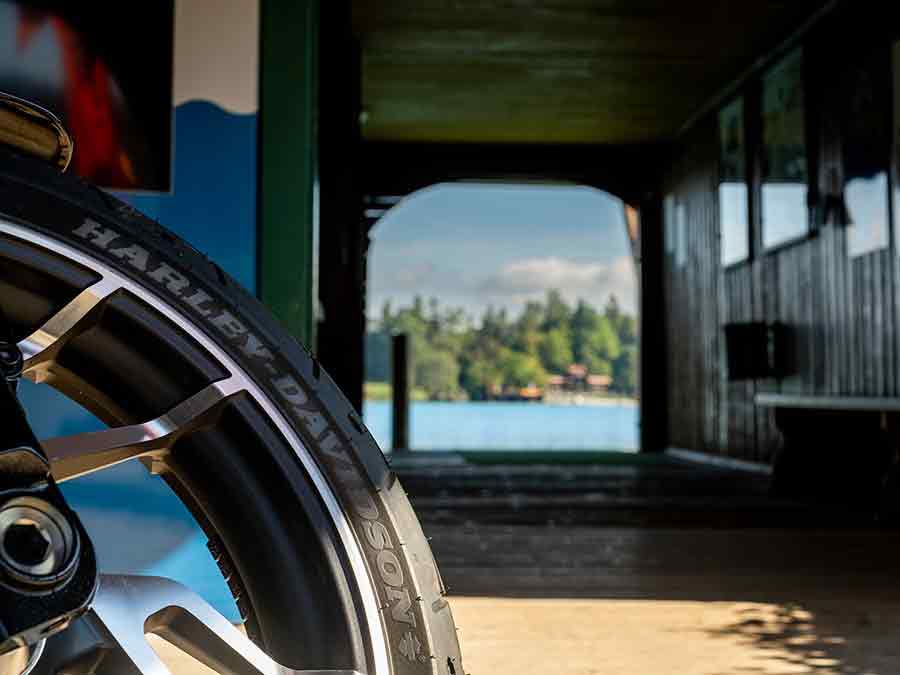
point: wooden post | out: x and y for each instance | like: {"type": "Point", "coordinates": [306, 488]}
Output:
{"type": "Point", "coordinates": [287, 162]}
{"type": "Point", "coordinates": [400, 393]}
{"type": "Point", "coordinates": [653, 369]}
{"type": "Point", "coordinates": [342, 236]}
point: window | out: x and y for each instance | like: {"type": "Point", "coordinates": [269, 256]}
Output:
{"type": "Point", "coordinates": [733, 214]}
{"type": "Point", "coordinates": [669, 223]}
{"type": "Point", "coordinates": [512, 296]}
{"type": "Point", "coordinates": [866, 139]}
{"type": "Point", "coordinates": [784, 169]}
{"type": "Point", "coordinates": [681, 234]}
{"type": "Point", "coordinates": [896, 136]}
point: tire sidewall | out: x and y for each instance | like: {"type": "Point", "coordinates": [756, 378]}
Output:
{"type": "Point", "coordinates": [416, 619]}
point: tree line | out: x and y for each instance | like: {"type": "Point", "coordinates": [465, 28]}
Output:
{"type": "Point", "coordinates": [452, 358]}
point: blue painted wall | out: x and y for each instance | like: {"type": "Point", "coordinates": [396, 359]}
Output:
{"type": "Point", "coordinates": [213, 204]}
{"type": "Point", "coordinates": [137, 524]}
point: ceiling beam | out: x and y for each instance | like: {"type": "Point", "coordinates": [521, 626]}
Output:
{"type": "Point", "coordinates": [626, 171]}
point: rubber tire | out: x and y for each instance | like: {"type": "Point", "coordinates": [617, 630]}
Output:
{"type": "Point", "coordinates": [422, 639]}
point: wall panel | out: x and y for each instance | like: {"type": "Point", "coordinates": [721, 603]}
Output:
{"type": "Point", "coordinates": [840, 305]}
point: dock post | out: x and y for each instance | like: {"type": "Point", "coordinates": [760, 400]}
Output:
{"type": "Point", "coordinates": [400, 393]}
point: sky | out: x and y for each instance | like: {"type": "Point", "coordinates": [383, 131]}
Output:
{"type": "Point", "coordinates": [474, 245]}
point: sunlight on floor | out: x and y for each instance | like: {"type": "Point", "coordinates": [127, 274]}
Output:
{"type": "Point", "coordinates": [646, 637]}
{"type": "Point", "coordinates": [501, 636]}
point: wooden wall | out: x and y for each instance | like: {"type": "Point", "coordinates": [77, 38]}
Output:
{"type": "Point", "coordinates": [843, 312]}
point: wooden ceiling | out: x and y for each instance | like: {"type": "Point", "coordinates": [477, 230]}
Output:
{"type": "Point", "coordinates": [555, 71]}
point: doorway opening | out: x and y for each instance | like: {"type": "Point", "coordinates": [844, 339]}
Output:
{"type": "Point", "coordinates": [520, 303]}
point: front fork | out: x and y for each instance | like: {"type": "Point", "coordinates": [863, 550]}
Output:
{"type": "Point", "coordinates": [48, 571]}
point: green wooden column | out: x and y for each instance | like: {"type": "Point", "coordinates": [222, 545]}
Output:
{"type": "Point", "coordinates": [288, 226]}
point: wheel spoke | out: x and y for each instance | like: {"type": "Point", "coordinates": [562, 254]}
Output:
{"type": "Point", "coordinates": [41, 347]}
{"type": "Point", "coordinates": [80, 454]}
{"type": "Point", "coordinates": [130, 607]}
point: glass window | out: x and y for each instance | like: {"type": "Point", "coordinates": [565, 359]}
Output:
{"type": "Point", "coordinates": [733, 215]}
{"type": "Point", "coordinates": [784, 170]}
{"type": "Point", "coordinates": [896, 137]}
{"type": "Point", "coordinates": [669, 223]}
{"type": "Point", "coordinates": [866, 139]}
{"type": "Point", "coordinates": [681, 242]}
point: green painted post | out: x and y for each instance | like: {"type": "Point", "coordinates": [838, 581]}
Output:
{"type": "Point", "coordinates": [287, 162]}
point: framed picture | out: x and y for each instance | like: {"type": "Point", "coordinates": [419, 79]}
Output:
{"type": "Point", "coordinates": [733, 191]}
{"type": "Point", "coordinates": [785, 215]}
{"type": "Point", "coordinates": [866, 141]}
{"type": "Point", "coordinates": [110, 85]}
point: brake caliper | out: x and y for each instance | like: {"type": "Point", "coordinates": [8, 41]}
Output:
{"type": "Point", "coordinates": [48, 571]}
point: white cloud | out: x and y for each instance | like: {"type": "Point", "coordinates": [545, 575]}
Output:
{"type": "Point", "coordinates": [530, 278]}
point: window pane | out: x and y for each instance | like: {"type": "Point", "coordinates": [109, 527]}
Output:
{"type": "Point", "coordinates": [784, 174]}
{"type": "Point", "coordinates": [733, 218]}
{"type": "Point", "coordinates": [866, 140]}
{"type": "Point", "coordinates": [896, 137]}
{"type": "Point", "coordinates": [669, 223]}
{"type": "Point", "coordinates": [681, 242]}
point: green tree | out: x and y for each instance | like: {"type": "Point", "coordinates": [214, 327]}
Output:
{"type": "Point", "coordinates": [597, 365]}
{"type": "Point", "coordinates": [627, 329]}
{"type": "Point", "coordinates": [556, 351]}
{"type": "Point", "coordinates": [495, 325]}
{"type": "Point", "coordinates": [378, 356]}
{"type": "Point", "coordinates": [557, 312]}
{"type": "Point", "coordinates": [480, 377]}
{"type": "Point", "coordinates": [437, 372]}
{"type": "Point", "coordinates": [612, 310]}
{"type": "Point", "coordinates": [603, 340]}
{"type": "Point", "coordinates": [528, 328]}
{"type": "Point", "coordinates": [451, 356]}
{"type": "Point", "coordinates": [584, 322]}
{"type": "Point", "coordinates": [625, 371]}
{"type": "Point", "coordinates": [522, 370]}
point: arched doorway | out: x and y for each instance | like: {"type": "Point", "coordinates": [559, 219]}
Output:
{"type": "Point", "coordinates": [521, 303]}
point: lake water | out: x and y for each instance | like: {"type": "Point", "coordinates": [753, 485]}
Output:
{"type": "Point", "coordinates": [500, 425]}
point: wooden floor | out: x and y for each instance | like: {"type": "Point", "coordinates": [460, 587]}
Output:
{"type": "Point", "coordinates": [614, 601]}
{"type": "Point", "coordinates": [757, 565]}
{"type": "Point", "coordinates": [612, 489]}
{"type": "Point", "coordinates": [826, 633]}
{"type": "Point", "coordinates": [654, 569]}
{"type": "Point", "coordinates": [657, 568]}
{"type": "Point", "coordinates": [638, 601]}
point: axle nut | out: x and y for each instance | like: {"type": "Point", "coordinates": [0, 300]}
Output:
{"type": "Point", "coordinates": [27, 543]}
{"type": "Point", "coordinates": [11, 362]}
{"type": "Point", "coordinates": [37, 543]}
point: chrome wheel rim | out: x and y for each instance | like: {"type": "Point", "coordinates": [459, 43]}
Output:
{"type": "Point", "coordinates": [150, 440]}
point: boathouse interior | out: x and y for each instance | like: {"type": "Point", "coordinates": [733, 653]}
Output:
{"type": "Point", "coordinates": [757, 143]}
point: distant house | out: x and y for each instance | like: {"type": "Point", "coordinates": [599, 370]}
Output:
{"type": "Point", "coordinates": [556, 383]}
{"type": "Point", "coordinates": [513, 393]}
{"type": "Point", "coordinates": [578, 380]}
{"type": "Point", "coordinates": [531, 393]}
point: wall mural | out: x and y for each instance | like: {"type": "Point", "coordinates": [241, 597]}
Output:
{"type": "Point", "coordinates": [114, 97]}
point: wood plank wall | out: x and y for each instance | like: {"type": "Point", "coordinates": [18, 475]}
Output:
{"type": "Point", "coordinates": [843, 312]}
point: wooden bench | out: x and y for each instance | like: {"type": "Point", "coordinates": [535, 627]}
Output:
{"type": "Point", "coordinates": [837, 447]}
{"type": "Point", "coordinates": [835, 403]}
